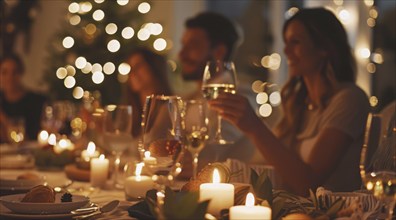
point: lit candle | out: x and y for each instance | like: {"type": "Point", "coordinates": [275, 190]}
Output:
{"type": "Point", "coordinates": [250, 211]}
{"type": "Point", "coordinates": [52, 139]}
{"type": "Point", "coordinates": [62, 145]}
{"type": "Point", "coordinates": [221, 195]}
{"type": "Point", "coordinates": [148, 159]}
{"type": "Point", "coordinates": [90, 152]}
{"type": "Point", "coordinates": [99, 171]}
{"type": "Point", "coordinates": [137, 186]}
{"type": "Point", "coordinates": [42, 138]}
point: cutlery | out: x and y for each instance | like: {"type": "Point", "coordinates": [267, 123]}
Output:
{"type": "Point", "coordinates": [106, 208]}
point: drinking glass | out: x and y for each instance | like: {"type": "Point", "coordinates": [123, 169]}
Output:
{"type": "Point", "coordinates": [219, 77]}
{"type": "Point", "coordinates": [117, 135]}
{"type": "Point", "coordinates": [378, 160]}
{"type": "Point", "coordinates": [162, 137]}
{"type": "Point", "coordinates": [16, 130]}
{"type": "Point", "coordinates": [195, 129]}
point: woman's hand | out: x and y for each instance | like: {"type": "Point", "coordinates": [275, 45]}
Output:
{"type": "Point", "coordinates": [237, 110]}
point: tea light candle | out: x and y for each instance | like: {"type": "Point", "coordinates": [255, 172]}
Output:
{"type": "Point", "coordinates": [42, 138]}
{"type": "Point", "coordinates": [221, 195]}
{"type": "Point", "coordinates": [250, 211]}
{"type": "Point", "coordinates": [148, 159]}
{"type": "Point", "coordinates": [90, 152]}
{"type": "Point", "coordinates": [62, 145]}
{"type": "Point", "coordinates": [99, 171]}
{"type": "Point", "coordinates": [137, 186]}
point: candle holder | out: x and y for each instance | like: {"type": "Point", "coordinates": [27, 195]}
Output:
{"type": "Point", "coordinates": [137, 181]}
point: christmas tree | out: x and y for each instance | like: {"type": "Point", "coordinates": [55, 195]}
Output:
{"type": "Point", "coordinates": [87, 54]}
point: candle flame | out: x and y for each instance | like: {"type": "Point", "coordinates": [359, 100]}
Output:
{"type": "Point", "coordinates": [139, 168]}
{"type": "Point", "coordinates": [102, 157]}
{"type": "Point", "coordinates": [63, 144]}
{"type": "Point", "coordinates": [43, 135]}
{"type": "Point", "coordinates": [91, 148]}
{"type": "Point", "coordinates": [216, 176]}
{"type": "Point", "coordinates": [52, 139]}
{"type": "Point", "coordinates": [147, 154]}
{"type": "Point", "coordinates": [249, 200]}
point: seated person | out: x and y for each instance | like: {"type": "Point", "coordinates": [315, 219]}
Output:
{"type": "Point", "coordinates": [16, 101]}
{"type": "Point", "coordinates": [318, 140]}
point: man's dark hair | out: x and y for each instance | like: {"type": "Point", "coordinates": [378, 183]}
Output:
{"type": "Point", "coordinates": [218, 28]}
{"type": "Point", "coordinates": [17, 59]}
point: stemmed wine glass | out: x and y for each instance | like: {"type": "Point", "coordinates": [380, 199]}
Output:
{"type": "Point", "coordinates": [195, 129]}
{"type": "Point", "coordinates": [117, 135]}
{"type": "Point", "coordinates": [378, 160]}
{"type": "Point", "coordinates": [162, 137]}
{"type": "Point", "coordinates": [219, 77]}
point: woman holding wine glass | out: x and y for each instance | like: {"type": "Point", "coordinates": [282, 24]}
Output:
{"type": "Point", "coordinates": [318, 140]}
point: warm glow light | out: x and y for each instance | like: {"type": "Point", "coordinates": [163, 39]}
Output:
{"type": "Point", "coordinates": [124, 68]}
{"type": "Point", "coordinates": [69, 82]}
{"type": "Point", "coordinates": [147, 154]}
{"type": "Point", "coordinates": [85, 7]}
{"type": "Point", "coordinates": [371, 68]}
{"type": "Point", "coordinates": [122, 2]}
{"type": "Point", "coordinates": [373, 13]}
{"type": "Point", "coordinates": [143, 34]}
{"type": "Point", "coordinates": [291, 12]}
{"type": "Point", "coordinates": [216, 176]}
{"type": "Point", "coordinates": [344, 16]}
{"type": "Point", "coordinates": [275, 60]}
{"type": "Point", "coordinates": [68, 42]}
{"type": "Point", "coordinates": [265, 110]}
{"type": "Point", "coordinates": [96, 68]}
{"type": "Point", "coordinates": [109, 68]}
{"type": "Point", "coordinates": [71, 71]}
{"type": "Point", "coordinates": [275, 98]}
{"type": "Point", "coordinates": [81, 62]}
{"type": "Point", "coordinates": [97, 77]}
{"type": "Point", "coordinates": [262, 98]}
{"type": "Point", "coordinates": [113, 45]}
{"type": "Point", "coordinates": [122, 78]}
{"type": "Point", "coordinates": [111, 28]}
{"type": "Point", "coordinates": [43, 135]}
{"type": "Point", "coordinates": [249, 199]}
{"type": "Point", "coordinates": [144, 7]}
{"type": "Point", "coordinates": [78, 92]}
{"type": "Point", "coordinates": [377, 58]}
{"type": "Point", "coordinates": [371, 22]}
{"type": "Point", "coordinates": [154, 28]}
{"type": "Point", "coordinates": [61, 73]}
{"type": "Point", "coordinates": [364, 53]}
{"type": "Point", "coordinates": [102, 157]}
{"type": "Point", "coordinates": [338, 2]}
{"type": "Point", "coordinates": [87, 68]}
{"type": "Point", "coordinates": [98, 15]}
{"type": "Point", "coordinates": [74, 20]}
{"type": "Point", "coordinates": [159, 44]}
{"type": "Point", "coordinates": [138, 170]}
{"type": "Point", "coordinates": [90, 29]}
{"type": "Point", "coordinates": [91, 148]}
{"type": "Point", "coordinates": [373, 101]}
{"type": "Point", "coordinates": [52, 139]}
{"type": "Point", "coordinates": [257, 86]}
{"type": "Point", "coordinates": [127, 33]}
{"type": "Point", "coordinates": [369, 186]}
{"type": "Point", "coordinates": [369, 3]}
{"type": "Point", "coordinates": [99, 1]}
{"type": "Point", "coordinates": [74, 7]}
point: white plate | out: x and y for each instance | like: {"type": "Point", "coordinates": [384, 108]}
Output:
{"type": "Point", "coordinates": [16, 161]}
{"type": "Point", "coordinates": [12, 202]}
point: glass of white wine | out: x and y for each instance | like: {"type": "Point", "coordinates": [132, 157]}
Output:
{"type": "Point", "coordinates": [117, 135]}
{"type": "Point", "coordinates": [219, 77]}
{"type": "Point", "coordinates": [195, 126]}
{"type": "Point", "coordinates": [378, 160]}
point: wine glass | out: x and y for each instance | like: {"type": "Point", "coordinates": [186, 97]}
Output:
{"type": "Point", "coordinates": [378, 160]}
{"type": "Point", "coordinates": [117, 135]}
{"type": "Point", "coordinates": [16, 130]}
{"type": "Point", "coordinates": [162, 138]}
{"type": "Point", "coordinates": [219, 77]}
{"type": "Point", "coordinates": [195, 129]}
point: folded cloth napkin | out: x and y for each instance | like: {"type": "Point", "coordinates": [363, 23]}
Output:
{"type": "Point", "coordinates": [141, 211]}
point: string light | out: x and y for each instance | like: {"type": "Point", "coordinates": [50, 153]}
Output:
{"type": "Point", "coordinates": [61, 73]}
{"type": "Point", "coordinates": [257, 86]}
{"type": "Point", "coordinates": [74, 20]}
{"type": "Point", "coordinates": [87, 68]}
{"type": "Point", "coordinates": [124, 68]}
{"type": "Point", "coordinates": [275, 98]}
{"type": "Point", "coordinates": [78, 92]}
{"type": "Point", "coordinates": [96, 67]}
{"type": "Point", "coordinates": [113, 45]}
{"type": "Point", "coordinates": [265, 110]}
{"type": "Point", "coordinates": [71, 71]}
{"type": "Point", "coordinates": [97, 77]}
{"type": "Point", "coordinates": [85, 7]}
{"type": "Point", "coordinates": [262, 98]}
{"type": "Point", "coordinates": [99, 1]}
{"type": "Point", "coordinates": [68, 42]}
{"type": "Point", "coordinates": [74, 7]}
{"type": "Point", "coordinates": [111, 28]}
{"type": "Point", "coordinates": [122, 2]}
{"type": "Point", "coordinates": [143, 34]}
{"type": "Point", "coordinates": [81, 62]}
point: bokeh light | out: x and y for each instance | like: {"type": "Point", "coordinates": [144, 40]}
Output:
{"type": "Point", "coordinates": [85, 7]}
{"type": "Point", "coordinates": [159, 44]}
{"type": "Point", "coordinates": [113, 45]}
{"type": "Point", "coordinates": [78, 92]}
{"type": "Point", "coordinates": [69, 82]}
{"type": "Point", "coordinates": [127, 33]}
{"type": "Point", "coordinates": [124, 68]}
{"type": "Point", "coordinates": [61, 73]}
{"type": "Point", "coordinates": [290, 12]}
{"type": "Point", "coordinates": [97, 77]}
{"type": "Point", "coordinates": [109, 68]}
{"type": "Point", "coordinates": [262, 98]}
{"type": "Point", "coordinates": [143, 34]}
{"type": "Point", "coordinates": [373, 101]}
{"type": "Point", "coordinates": [87, 68]}
{"type": "Point", "coordinates": [257, 86]}
{"type": "Point", "coordinates": [96, 67]}
{"type": "Point", "coordinates": [122, 2]}
{"type": "Point", "coordinates": [111, 28]}
{"type": "Point", "coordinates": [265, 110]}
{"type": "Point", "coordinates": [371, 68]}
{"type": "Point", "coordinates": [81, 62]}
{"type": "Point", "coordinates": [71, 71]}
{"type": "Point", "coordinates": [364, 53]}
{"type": "Point", "coordinates": [344, 16]}
{"type": "Point", "coordinates": [68, 42]}
{"type": "Point", "coordinates": [122, 78]}
{"type": "Point", "coordinates": [99, 1]}
{"type": "Point", "coordinates": [377, 58]}
{"type": "Point", "coordinates": [90, 29]}
{"type": "Point", "coordinates": [98, 15]}
{"type": "Point", "coordinates": [275, 98]}
{"type": "Point", "coordinates": [369, 3]}
{"type": "Point", "coordinates": [74, 7]}
{"type": "Point", "coordinates": [75, 20]}
{"type": "Point", "coordinates": [144, 7]}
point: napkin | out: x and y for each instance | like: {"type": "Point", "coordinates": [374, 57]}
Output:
{"type": "Point", "coordinates": [141, 211]}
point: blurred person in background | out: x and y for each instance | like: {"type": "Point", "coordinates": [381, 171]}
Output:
{"type": "Point", "coordinates": [16, 102]}
{"type": "Point", "coordinates": [318, 140]}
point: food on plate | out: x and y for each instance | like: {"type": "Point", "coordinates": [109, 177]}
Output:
{"type": "Point", "coordinates": [40, 194]}
{"type": "Point", "coordinates": [28, 176]}
{"type": "Point", "coordinates": [66, 197]}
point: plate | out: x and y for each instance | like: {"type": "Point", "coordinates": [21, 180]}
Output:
{"type": "Point", "coordinates": [12, 215]}
{"type": "Point", "coordinates": [12, 202]}
{"type": "Point", "coordinates": [9, 184]}
{"type": "Point", "coordinates": [16, 161]}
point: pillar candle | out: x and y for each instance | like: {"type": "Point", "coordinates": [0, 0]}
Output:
{"type": "Point", "coordinates": [137, 186]}
{"type": "Point", "coordinates": [250, 211]}
{"type": "Point", "coordinates": [99, 171]}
